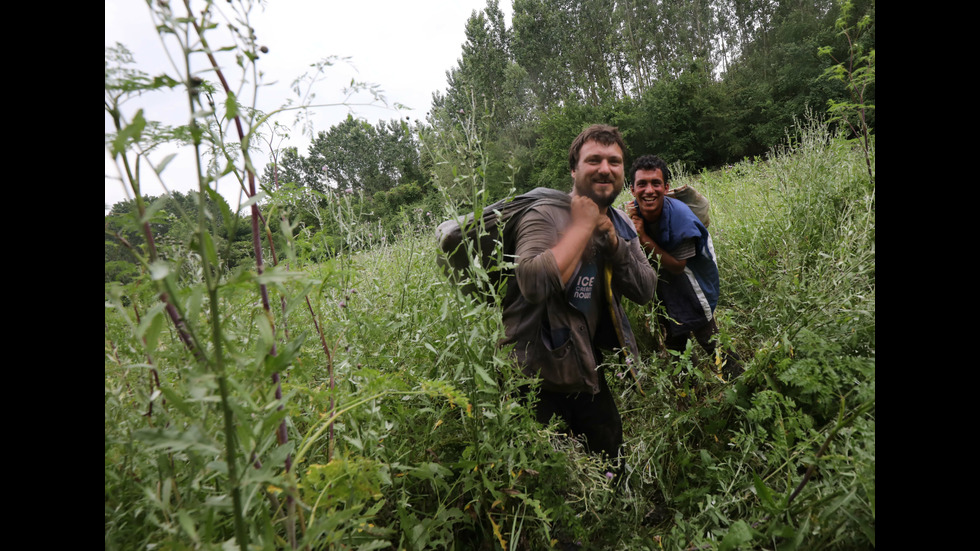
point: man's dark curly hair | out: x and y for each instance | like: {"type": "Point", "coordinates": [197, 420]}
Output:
{"type": "Point", "coordinates": [602, 133]}
{"type": "Point", "coordinates": [649, 162]}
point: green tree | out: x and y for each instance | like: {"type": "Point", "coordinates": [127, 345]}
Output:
{"type": "Point", "coordinates": [856, 70]}
{"type": "Point", "coordinates": [486, 82]}
{"type": "Point", "coordinates": [540, 41]}
{"type": "Point", "coordinates": [355, 156]}
{"type": "Point", "coordinates": [291, 167]}
{"type": "Point", "coordinates": [685, 119]}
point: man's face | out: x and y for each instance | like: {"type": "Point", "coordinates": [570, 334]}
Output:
{"type": "Point", "coordinates": [599, 173]}
{"type": "Point", "coordinates": [649, 189]}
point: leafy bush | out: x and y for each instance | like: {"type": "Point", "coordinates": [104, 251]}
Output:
{"type": "Point", "coordinates": [349, 397]}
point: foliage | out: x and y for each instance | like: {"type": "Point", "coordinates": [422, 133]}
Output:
{"type": "Point", "coordinates": [685, 119]}
{"type": "Point", "coordinates": [433, 449]}
{"type": "Point", "coordinates": [355, 156]}
{"type": "Point", "coordinates": [795, 242]}
{"type": "Point", "coordinates": [857, 72]}
{"type": "Point", "coordinates": [397, 422]}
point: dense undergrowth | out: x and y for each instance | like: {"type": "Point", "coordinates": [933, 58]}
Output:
{"type": "Point", "coordinates": [329, 389]}
{"type": "Point", "coordinates": [430, 446]}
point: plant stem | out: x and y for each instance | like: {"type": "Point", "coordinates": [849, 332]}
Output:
{"type": "Point", "coordinates": [282, 436]}
{"type": "Point", "coordinates": [326, 351]}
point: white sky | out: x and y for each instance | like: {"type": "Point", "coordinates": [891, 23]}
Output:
{"type": "Point", "coordinates": [405, 47]}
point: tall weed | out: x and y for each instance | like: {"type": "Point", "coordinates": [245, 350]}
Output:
{"type": "Point", "coordinates": [795, 241]}
{"type": "Point", "coordinates": [404, 419]}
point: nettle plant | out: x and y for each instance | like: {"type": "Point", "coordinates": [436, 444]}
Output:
{"type": "Point", "coordinates": [198, 446]}
{"type": "Point", "coordinates": [360, 403]}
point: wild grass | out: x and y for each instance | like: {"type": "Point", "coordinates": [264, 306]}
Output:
{"type": "Point", "coordinates": [430, 445]}
{"type": "Point", "coordinates": [342, 394]}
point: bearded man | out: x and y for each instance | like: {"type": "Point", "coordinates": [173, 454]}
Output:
{"type": "Point", "coordinates": [573, 265]}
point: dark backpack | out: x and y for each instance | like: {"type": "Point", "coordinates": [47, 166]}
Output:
{"type": "Point", "coordinates": [698, 203]}
{"type": "Point", "coordinates": [498, 223]}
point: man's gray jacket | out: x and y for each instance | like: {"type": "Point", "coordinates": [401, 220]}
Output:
{"type": "Point", "coordinates": [552, 339]}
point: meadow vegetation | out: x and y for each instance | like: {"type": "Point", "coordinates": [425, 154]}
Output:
{"type": "Point", "coordinates": [428, 445]}
{"type": "Point", "coordinates": [330, 389]}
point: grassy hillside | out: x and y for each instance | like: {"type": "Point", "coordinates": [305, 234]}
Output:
{"type": "Point", "coordinates": [403, 425]}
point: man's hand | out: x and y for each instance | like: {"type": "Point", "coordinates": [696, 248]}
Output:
{"type": "Point", "coordinates": [605, 226]}
{"type": "Point", "coordinates": [672, 265]}
{"type": "Point", "coordinates": [586, 220]}
{"type": "Point", "coordinates": [587, 216]}
{"type": "Point", "coordinates": [585, 213]}
{"type": "Point", "coordinates": [637, 220]}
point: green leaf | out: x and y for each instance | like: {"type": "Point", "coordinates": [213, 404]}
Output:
{"type": "Point", "coordinates": [285, 356]}
{"type": "Point", "coordinates": [177, 440]}
{"type": "Point", "coordinates": [131, 133]}
{"type": "Point", "coordinates": [209, 251]}
{"type": "Point", "coordinates": [484, 375]}
{"type": "Point", "coordinates": [253, 199]}
{"type": "Point", "coordinates": [194, 302]}
{"type": "Point", "coordinates": [226, 213]}
{"type": "Point", "coordinates": [231, 106]}
{"type": "Point", "coordinates": [176, 400]}
{"type": "Point", "coordinates": [188, 525]}
{"type": "Point", "coordinates": [150, 326]}
{"type": "Point", "coordinates": [265, 332]}
{"type": "Point", "coordinates": [374, 544]}
{"type": "Point", "coordinates": [739, 533]}
{"type": "Point", "coordinates": [706, 458]}
{"type": "Point", "coordinates": [166, 161]}
{"type": "Point", "coordinates": [163, 81]}
{"type": "Point", "coordinates": [154, 207]}
{"type": "Point", "coordinates": [765, 495]}
{"type": "Point", "coordinates": [276, 275]}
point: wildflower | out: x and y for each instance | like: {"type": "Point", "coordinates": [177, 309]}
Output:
{"type": "Point", "coordinates": [609, 475]}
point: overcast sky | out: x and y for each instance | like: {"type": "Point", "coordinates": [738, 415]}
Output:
{"type": "Point", "coordinates": [405, 47]}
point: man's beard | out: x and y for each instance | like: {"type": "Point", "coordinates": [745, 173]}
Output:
{"type": "Point", "coordinates": [602, 201]}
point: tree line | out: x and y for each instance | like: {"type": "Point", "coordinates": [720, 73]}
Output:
{"type": "Point", "coordinates": [701, 83]}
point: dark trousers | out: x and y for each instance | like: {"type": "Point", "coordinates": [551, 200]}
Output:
{"type": "Point", "coordinates": [702, 334]}
{"type": "Point", "coordinates": [593, 416]}
{"type": "Point", "coordinates": [733, 364]}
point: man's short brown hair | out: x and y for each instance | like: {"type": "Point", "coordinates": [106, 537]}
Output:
{"type": "Point", "coordinates": [602, 133]}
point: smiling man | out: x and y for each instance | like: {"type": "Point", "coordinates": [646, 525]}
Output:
{"type": "Point", "coordinates": [688, 286]}
{"type": "Point", "coordinates": [573, 265]}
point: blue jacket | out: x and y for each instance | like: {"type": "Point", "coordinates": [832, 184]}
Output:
{"type": "Point", "coordinates": [691, 297]}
